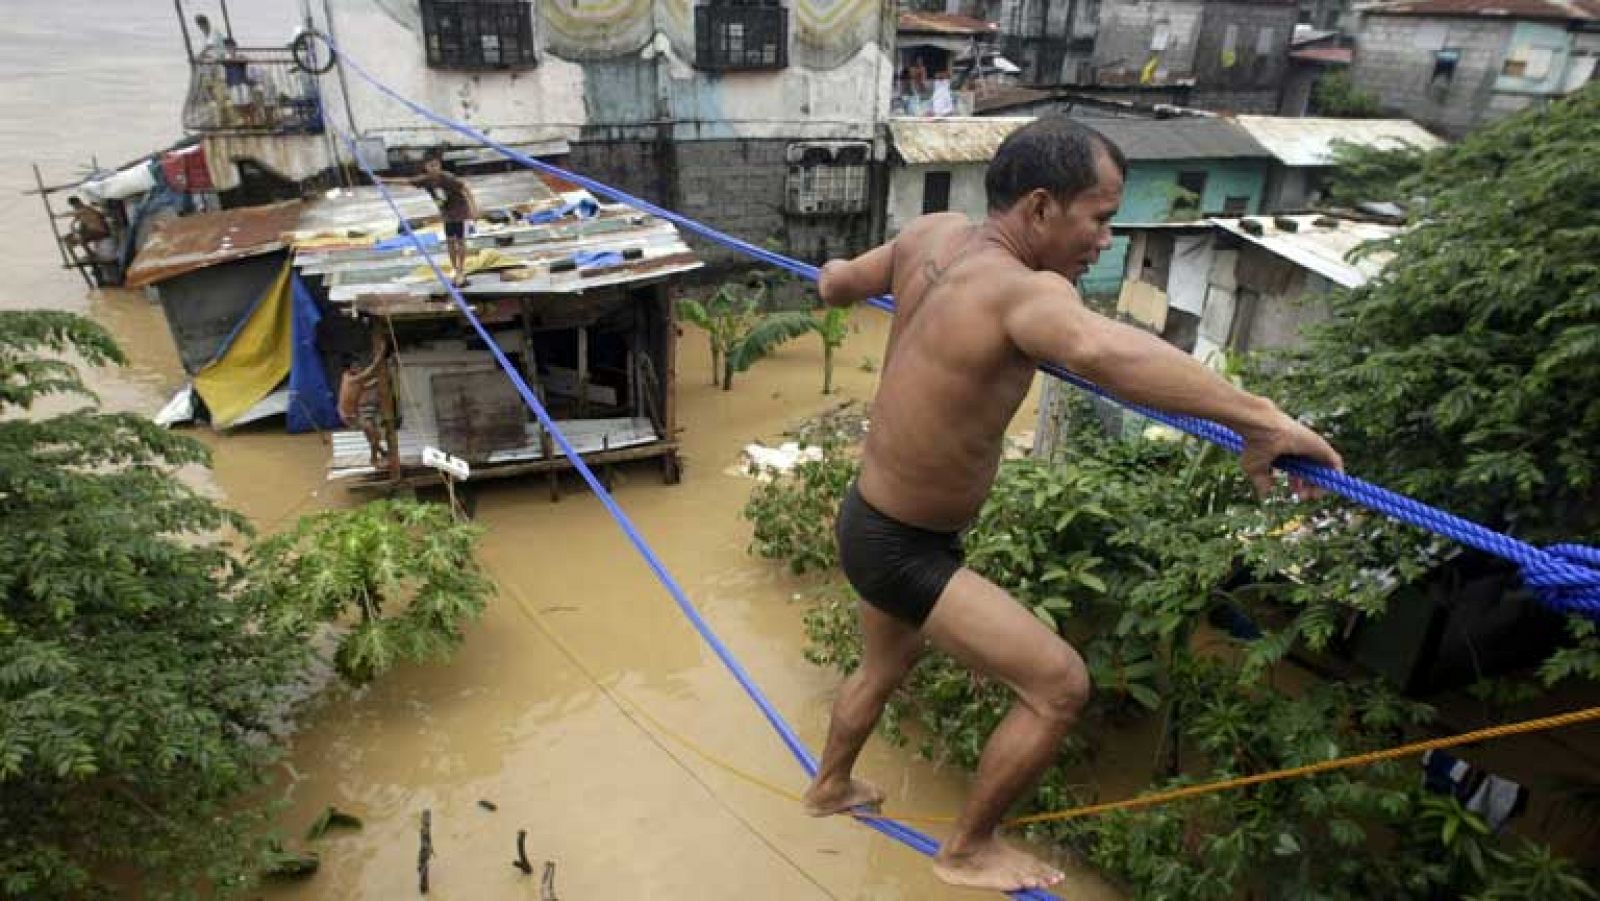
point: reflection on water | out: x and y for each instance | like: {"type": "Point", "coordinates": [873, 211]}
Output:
{"type": "Point", "coordinates": [511, 720]}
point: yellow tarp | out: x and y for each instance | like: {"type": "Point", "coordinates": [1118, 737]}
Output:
{"type": "Point", "coordinates": [486, 260]}
{"type": "Point", "coordinates": [257, 361]}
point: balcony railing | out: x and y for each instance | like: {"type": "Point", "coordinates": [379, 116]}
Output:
{"type": "Point", "coordinates": [254, 90]}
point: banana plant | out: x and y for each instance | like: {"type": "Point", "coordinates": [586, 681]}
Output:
{"type": "Point", "coordinates": [832, 328]}
{"type": "Point", "coordinates": [738, 327]}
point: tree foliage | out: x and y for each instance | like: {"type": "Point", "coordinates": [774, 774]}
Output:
{"type": "Point", "coordinates": [1364, 173]}
{"type": "Point", "coordinates": [404, 572]}
{"type": "Point", "coordinates": [1464, 375]}
{"type": "Point", "coordinates": [132, 675]}
{"type": "Point", "coordinates": [739, 326]}
{"type": "Point", "coordinates": [1336, 95]}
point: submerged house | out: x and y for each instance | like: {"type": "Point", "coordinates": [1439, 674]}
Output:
{"type": "Point", "coordinates": [269, 304]}
{"type": "Point", "coordinates": [573, 291]}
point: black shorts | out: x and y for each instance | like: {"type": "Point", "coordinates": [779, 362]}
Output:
{"type": "Point", "coordinates": [455, 229]}
{"type": "Point", "coordinates": [898, 568]}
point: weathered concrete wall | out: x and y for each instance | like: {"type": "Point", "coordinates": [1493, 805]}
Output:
{"type": "Point", "coordinates": [1241, 56]}
{"type": "Point", "coordinates": [1395, 59]}
{"type": "Point", "coordinates": [1129, 29]}
{"type": "Point", "coordinates": [621, 67]}
{"type": "Point", "coordinates": [906, 188]}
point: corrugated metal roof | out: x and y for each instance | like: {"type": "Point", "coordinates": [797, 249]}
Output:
{"type": "Point", "coordinates": [185, 243]}
{"type": "Point", "coordinates": [1322, 250]}
{"type": "Point", "coordinates": [971, 139]}
{"type": "Point", "coordinates": [1187, 138]}
{"type": "Point", "coordinates": [914, 22]}
{"type": "Point", "coordinates": [922, 141]}
{"type": "Point", "coordinates": [1309, 141]}
{"type": "Point", "coordinates": [1564, 10]}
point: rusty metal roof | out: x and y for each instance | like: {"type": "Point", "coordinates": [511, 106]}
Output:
{"type": "Point", "coordinates": [958, 140]}
{"type": "Point", "coordinates": [1562, 10]}
{"type": "Point", "coordinates": [1335, 56]}
{"type": "Point", "coordinates": [1309, 141]}
{"type": "Point", "coordinates": [914, 22]}
{"type": "Point", "coordinates": [183, 244]}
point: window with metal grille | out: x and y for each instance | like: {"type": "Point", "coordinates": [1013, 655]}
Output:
{"type": "Point", "coordinates": [827, 179]}
{"type": "Point", "coordinates": [478, 34]}
{"type": "Point", "coordinates": [734, 35]}
{"type": "Point", "coordinates": [1191, 189]}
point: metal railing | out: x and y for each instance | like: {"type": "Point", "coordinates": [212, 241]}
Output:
{"type": "Point", "coordinates": [252, 90]}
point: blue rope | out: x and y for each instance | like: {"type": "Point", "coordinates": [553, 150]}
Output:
{"type": "Point", "coordinates": [898, 831]}
{"type": "Point", "coordinates": [1565, 577]}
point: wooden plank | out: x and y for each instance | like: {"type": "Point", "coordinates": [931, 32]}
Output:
{"type": "Point", "coordinates": [477, 413]}
{"type": "Point", "coordinates": [622, 455]}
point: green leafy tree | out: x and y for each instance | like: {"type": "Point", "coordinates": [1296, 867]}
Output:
{"type": "Point", "coordinates": [739, 326]}
{"type": "Point", "coordinates": [135, 680]}
{"type": "Point", "coordinates": [404, 573]}
{"type": "Point", "coordinates": [1336, 95]}
{"type": "Point", "coordinates": [1464, 375]}
{"type": "Point", "coordinates": [1363, 173]}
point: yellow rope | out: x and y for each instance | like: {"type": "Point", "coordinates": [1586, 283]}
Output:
{"type": "Point", "coordinates": [1541, 724]}
{"type": "Point", "coordinates": [1536, 725]}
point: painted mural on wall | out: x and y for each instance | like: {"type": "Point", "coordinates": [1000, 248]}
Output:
{"type": "Point", "coordinates": [596, 29]}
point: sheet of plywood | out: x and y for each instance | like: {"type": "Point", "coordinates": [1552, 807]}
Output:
{"type": "Point", "coordinates": [1144, 303]}
{"type": "Point", "coordinates": [478, 412]}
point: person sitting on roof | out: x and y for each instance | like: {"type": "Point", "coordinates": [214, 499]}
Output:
{"type": "Point", "coordinates": [359, 403]}
{"type": "Point", "coordinates": [457, 207]}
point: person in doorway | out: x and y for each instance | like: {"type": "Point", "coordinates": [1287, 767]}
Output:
{"type": "Point", "coordinates": [457, 207]}
{"type": "Point", "coordinates": [360, 404]}
{"type": "Point", "coordinates": [980, 306]}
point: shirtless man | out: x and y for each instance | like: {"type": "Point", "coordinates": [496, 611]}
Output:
{"type": "Point", "coordinates": [980, 307]}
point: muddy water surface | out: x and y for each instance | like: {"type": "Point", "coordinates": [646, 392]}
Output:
{"type": "Point", "coordinates": [625, 811]}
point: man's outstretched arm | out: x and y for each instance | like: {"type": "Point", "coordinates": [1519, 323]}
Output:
{"type": "Point", "coordinates": [1053, 325]}
{"type": "Point", "coordinates": [846, 282]}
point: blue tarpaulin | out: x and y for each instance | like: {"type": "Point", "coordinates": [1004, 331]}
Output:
{"type": "Point", "coordinates": [311, 401]}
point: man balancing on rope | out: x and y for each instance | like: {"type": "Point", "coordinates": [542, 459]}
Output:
{"type": "Point", "coordinates": [979, 307]}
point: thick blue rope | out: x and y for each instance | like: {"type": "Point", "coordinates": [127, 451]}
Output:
{"type": "Point", "coordinates": [898, 831]}
{"type": "Point", "coordinates": [1565, 577]}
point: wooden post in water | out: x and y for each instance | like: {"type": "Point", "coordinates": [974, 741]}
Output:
{"type": "Point", "coordinates": [583, 371]}
{"type": "Point", "coordinates": [386, 401]}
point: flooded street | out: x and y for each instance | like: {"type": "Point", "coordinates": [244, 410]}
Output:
{"type": "Point", "coordinates": [623, 810]}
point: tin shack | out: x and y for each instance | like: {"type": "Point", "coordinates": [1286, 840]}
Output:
{"type": "Point", "coordinates": [575, 292]}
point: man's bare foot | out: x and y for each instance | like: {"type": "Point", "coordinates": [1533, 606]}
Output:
{"type": "Point", "coordinates": [824, 800]}
{"type": "Point", "coordinates": [994, 865]}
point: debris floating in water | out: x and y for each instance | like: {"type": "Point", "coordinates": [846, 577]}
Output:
{"type": "Point", "coordinates": [487, 805]}
{"type": "Point", "coordinates": [522, 863]}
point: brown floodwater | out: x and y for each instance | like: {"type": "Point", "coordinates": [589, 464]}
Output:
{"type": "Point", "coordinates": [623, 810]}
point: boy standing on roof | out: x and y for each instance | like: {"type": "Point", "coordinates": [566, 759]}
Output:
{"type": "Point", "coordinates": [457, 207]}
{"type": "Point", "coordinates": [980, 306]}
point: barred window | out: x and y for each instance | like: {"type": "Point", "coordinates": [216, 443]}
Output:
{"type": "Point", "coordinates": [478, 34]}
{"type": "Point", "coordinates": [741, 34]}
{"type": "Point", "coordinates": [827, 179]}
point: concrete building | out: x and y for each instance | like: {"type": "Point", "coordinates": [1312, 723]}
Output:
{"type": "Point", "coordinates": [1455, 65]}
{"type": "Point", "coordinates": [1302, 151]}
{"type": "Point", "coordinates": [761, 117]}
{"type": "Point", "coordinates": [1053, 40]}
{"type": "Point", "coordinates": [1234, 52]}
